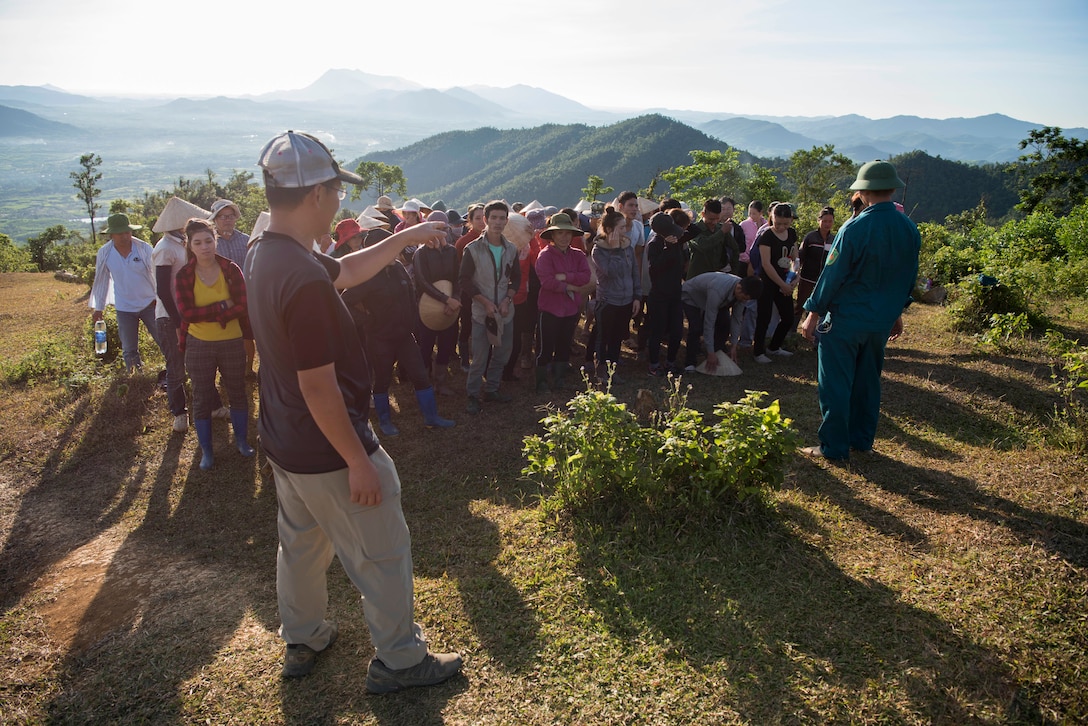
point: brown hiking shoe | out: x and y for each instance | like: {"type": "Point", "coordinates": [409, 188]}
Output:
{"type": "Point", "coordinates": [299, 658]}
{"type": "Point", "coordinates": [433, 669]}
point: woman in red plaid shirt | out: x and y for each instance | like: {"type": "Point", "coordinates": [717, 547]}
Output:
{"type": "Point", "coordinates": [211, 296]}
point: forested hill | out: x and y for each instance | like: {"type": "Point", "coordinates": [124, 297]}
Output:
{"type": "Point", "coordinates": [938, 187]}
{"type": "Point", "coordinates": [550, 163]}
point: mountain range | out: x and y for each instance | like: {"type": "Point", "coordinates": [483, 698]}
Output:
{"type": "Point", "coordinates": [147, 143]}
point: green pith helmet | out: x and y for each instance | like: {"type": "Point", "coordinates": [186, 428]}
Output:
{"type": "Point", "coordinates": [877, 176]}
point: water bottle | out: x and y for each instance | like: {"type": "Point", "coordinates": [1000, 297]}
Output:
{"type": "Point", "coordinates": [100, 337]}
{"type": "Point", "coordinates": [790, 277]}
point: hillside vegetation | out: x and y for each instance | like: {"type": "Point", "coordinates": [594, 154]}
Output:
{"type": "Point", "coordinates": [552, 162]}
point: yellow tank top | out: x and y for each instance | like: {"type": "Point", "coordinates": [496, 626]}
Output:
{"type": "Point", "coordinates": [210, 295]}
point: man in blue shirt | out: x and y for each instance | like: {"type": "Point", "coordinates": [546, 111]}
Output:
{"type": "Point", "coordinates": [864, 287]}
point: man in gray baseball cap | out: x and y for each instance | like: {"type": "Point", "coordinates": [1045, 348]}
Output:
{"type": "Point", "coordinates": [337, 488]}
{"type": "Point", "coordinates": [858, 303]}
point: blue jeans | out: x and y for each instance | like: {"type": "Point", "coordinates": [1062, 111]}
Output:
{"type": "Point", "coordinates": [128, 329]}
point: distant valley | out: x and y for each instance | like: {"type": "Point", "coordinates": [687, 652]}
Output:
{"type": "Point", "coordinates": [147, 144]}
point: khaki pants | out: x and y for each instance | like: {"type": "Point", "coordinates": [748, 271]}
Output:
{"type": "Point", "coordinates": [317, 519]}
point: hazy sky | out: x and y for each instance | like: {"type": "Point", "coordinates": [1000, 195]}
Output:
{"type": "Point", "coordinates": [933, 58]}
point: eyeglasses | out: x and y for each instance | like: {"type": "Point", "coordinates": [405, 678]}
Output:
{"type": "Point", "coordinates": [341, 193]}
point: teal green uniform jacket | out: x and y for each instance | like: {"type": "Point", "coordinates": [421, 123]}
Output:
{"type": "Point", "coordinates": [867, 281]}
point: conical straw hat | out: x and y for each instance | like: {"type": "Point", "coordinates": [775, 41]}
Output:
{"type": "Point", "coordinates": [176, 214]}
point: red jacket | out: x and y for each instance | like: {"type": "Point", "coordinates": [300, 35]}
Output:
{"type": "Point", "coordinates": [219, 312]}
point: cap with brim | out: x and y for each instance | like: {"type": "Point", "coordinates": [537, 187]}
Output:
{"type": "Point", "coordinates": [560, 221]}
{"type": "Point", "coordinates": [877, 176]}
{"type": "Point", "coordinates": [663, 225]}
{"type": "Point", "coordinates": [118, 224]}
{"type": "Point", "coordinates": [345, 230]}
{"type": "Point", "coordinates": [432, 313]}
{"type": "Point", "coordinates": [221, 204]}
{"type": "Point", "coordinates": [410, 206]}
{"type": "Point", "coordinates": [494, 330]}
{"type": "Point", "coordinates": [176, 214]}
{"type": "Point", "coordinates": [296, 159]}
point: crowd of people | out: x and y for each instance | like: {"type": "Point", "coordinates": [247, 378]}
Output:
{"type": "Point", "coordinates": [414, 290]}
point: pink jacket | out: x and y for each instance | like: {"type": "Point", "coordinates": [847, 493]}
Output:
{"type": "Point", "coordinates": [553, 293]}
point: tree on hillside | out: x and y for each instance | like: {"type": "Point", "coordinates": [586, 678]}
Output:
{"type": "Point", "coordinates": [1055, 172]}
{"type": "Point", "coordinates": [52, 249]}
{"type": "Point", "coordinates": [817, 173]}
{"type": "Point", "coordinates": [760, 184]}
{"type": "Point", "coordinates": [382, 178]}
{"type": "Point", "coordinates": [594, 188]}
{"type": "Point", "coordinates": [86, 183]}
{"type": "Point", "coordinates": [711, 174]}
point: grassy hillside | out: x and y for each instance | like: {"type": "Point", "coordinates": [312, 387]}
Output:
{"type": "Point", "coordinates": [942, 579]}
{"type": "Point", "coordinates": [550, 163]}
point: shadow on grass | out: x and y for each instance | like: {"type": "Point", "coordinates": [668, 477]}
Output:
{"type": "Point", "coordinates": [175, 592]}
{"type": "Point", "coordinates": [772, 621]}
{"type": "Point", "coordinates": [82, 491]}
{"type": "Point", "coordinates": [946, 493]}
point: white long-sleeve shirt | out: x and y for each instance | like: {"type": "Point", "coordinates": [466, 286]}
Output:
{"type": "Point", "coordinates": [127, 282]}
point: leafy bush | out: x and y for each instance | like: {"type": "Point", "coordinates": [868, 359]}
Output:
{"type": "Point", "coordinates": [14, 258]}
{"type": "Point", "coordinates": [1032, 238]}
{"type": "Point", "coordinates": [1069, 371]}
{"type": "Point", "coordinates": [51, 360]}
{"type": "Point", "coordinates": [974, 304]}
{"type": "Point", "coordinates": [1072, 233]}
{"type": "Point", "coordinates": [597, 454]}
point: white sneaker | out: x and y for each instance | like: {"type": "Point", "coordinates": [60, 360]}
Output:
{"type": "Point", "coordinates": [762, 359]}
{"type": "Point", "coordinates": [181, 422]}
{"type": "Point", "coordinates": [781, 351]}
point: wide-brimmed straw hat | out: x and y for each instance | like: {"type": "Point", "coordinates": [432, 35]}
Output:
{"type": "Point", "coordinates": [560, 221]}
{"type": "Point", "coordinates": [432, 313]}
{"type": "Point", "coordinates": [384, 203]}
{"type": "Point", "coordinates": [176, 214]}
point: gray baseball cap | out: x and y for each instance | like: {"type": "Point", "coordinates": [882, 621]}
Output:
{"type": "Point", "coordinates": [296, 159]}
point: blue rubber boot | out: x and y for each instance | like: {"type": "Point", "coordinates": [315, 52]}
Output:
{"type": "Point", "coordinates": [239, 419]}
{"type": "Point", "coordinates": [385, 415]}
{"type": "Point", "coordinates": [429, 406]}
{"type": "Point", "coordinates": [203, 428]}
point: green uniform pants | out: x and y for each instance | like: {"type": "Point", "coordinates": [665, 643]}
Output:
{"type": "Point", "coordinates": [850, 363]}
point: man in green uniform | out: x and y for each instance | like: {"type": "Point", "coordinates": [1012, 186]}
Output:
{"type": "Point", "coordinates": [859, 299]}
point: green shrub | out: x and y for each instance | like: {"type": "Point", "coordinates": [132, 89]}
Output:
{"type": "Point", "coordinates": [1069, 373]}
{"type": "Point", "coordinates": [51, 360]}
{"type": "Point", "coordinates": [596, 454]}
{"type": "Point", "coordinates": [1073, 233]}
{"type": "Point", "coordinates": [973, 305]}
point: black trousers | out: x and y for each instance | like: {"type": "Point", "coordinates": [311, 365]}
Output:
{"type": "Point", "coordinates": [403, 350]}
{"type": "Point", "coordinates": [665, 320]}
